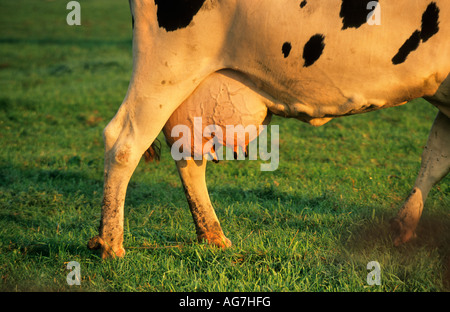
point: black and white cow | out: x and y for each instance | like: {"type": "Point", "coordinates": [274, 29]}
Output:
{"type": "Point", "coordinates": [312, 60]}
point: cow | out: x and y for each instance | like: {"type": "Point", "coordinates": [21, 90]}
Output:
{"type": "Point", "coordinates": [300, 59]}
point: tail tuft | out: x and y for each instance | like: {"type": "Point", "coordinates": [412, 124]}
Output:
{"type": "Point", "coordinates": [153, 153]}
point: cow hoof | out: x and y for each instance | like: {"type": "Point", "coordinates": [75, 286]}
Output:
{"type": "Point", "coordinates": [97, 243]}
{"type": "Point", "coordinates": [216, 240]}
{"type": "Point", "coordinates": [402, 232]}
{"type": "Point", "coordinates": [226, 243]}
{"type": "Point", "coordinates": [405, 223]}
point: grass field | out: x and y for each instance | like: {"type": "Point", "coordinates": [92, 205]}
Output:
{"type": "Point", "coordinates": [312, 225]}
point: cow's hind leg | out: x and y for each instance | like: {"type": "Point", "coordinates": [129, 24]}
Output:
{"type": "Point", "coordinates": [192, 174]}
{"type": "Point", "coordinates": [127, 137]}
{"type": "Point", "coordinates": [435, 166]}
{"type": "Point", "coordinates": [122, 155]}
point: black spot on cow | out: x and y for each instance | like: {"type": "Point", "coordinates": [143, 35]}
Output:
{"type": "Point", "coordinates": [410, 45]}
{"type": "Point", "coordinates": [303, 3]}
{"type": "Point", "coordinates": [430, 27]}
{"type": "Point", "coordinates": [354, 13]}
{"type": "Point", "coordinates": [430, 22]}
{"type": "Point", "coordinates": [286, 49]}
{"type": "Point", "coordinates": [313, 49]}
{"type": "Point", "coordinates": [177, 14]}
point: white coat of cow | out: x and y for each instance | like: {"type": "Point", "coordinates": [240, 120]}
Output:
{"type": "Point", "coordinates": [312, 60]}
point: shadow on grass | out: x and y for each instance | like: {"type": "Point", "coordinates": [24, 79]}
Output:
{"type": "Point", "coordinates": [270, 195]}
{"type": "Point", "coordinates": [433, 235]}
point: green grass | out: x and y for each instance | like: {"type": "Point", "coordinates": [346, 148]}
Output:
{"type": "Point", "coordinates": [312, 225]}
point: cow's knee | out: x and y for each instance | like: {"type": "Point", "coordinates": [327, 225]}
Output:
{"type": "Point", "coordinates": [122, 154]}
{"type": "Point", "coordinates": [120, 144]}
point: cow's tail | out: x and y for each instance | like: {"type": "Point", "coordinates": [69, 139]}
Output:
{"type": "Point", "coordinates": [153, 153]}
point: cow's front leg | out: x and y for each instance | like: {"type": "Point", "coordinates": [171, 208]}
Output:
{"type": "Point", "coordinates": [192, 174]}
{"type": "Point", "coordinates": [435, 166]}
